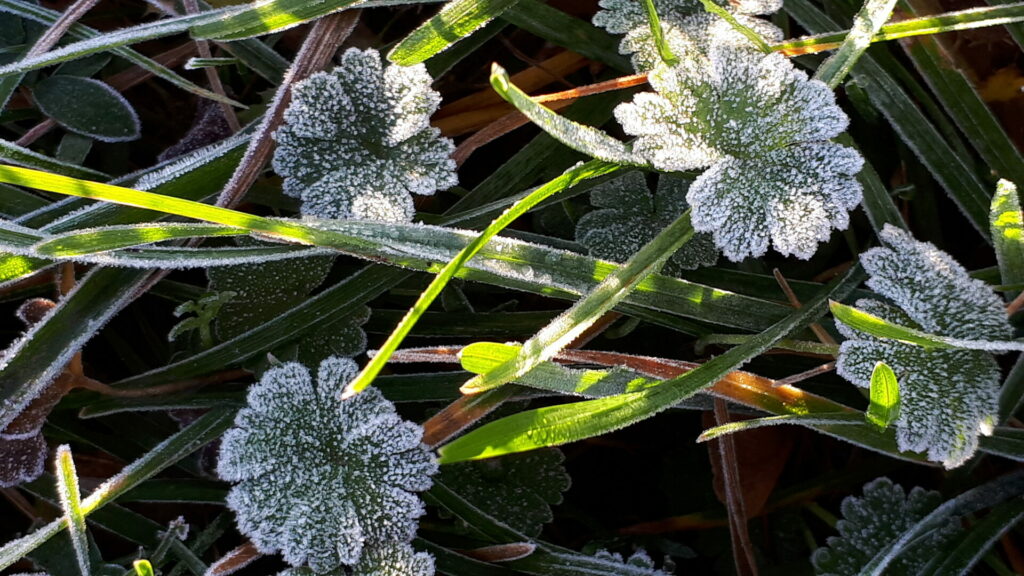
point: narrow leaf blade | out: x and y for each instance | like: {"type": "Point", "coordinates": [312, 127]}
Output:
{"type": "Point", "coordinates": [885, 397]}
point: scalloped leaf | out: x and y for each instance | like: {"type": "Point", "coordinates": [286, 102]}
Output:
{"type": "Point", "coordinates": [630, 216]}
{"type": "Point", "coordinates": [320, 479]}
{"type": "Point", "coordinates": [357, 142]}
{"type": "Point", "coordinates": [874, 521]}
{"type": "Point", "coordinates": [948, 395]}
{"type": "Point", "coordinates": [761, 127]}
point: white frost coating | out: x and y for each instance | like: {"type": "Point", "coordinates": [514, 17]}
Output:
{"type": "Point", "coordinates": [687, 28]}
{"type": "Point", "coordinates": [948, 396]}
{"type": "Point", "coordinates": [630, 216]}
{"type": "Point", "coordinates": [323, 480]}
{"type": "Point", "coordinates": [873, 522]}
{"type": "Point", "coordinates": [391, 559]}
{"type": "Point", "coordinates": [605, 563]}
{"type": "Point", "coordinates": [761, 126]}
{"type": "Point", "coordinates": [357, 142]}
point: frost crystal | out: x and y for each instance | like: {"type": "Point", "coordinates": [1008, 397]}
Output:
{"type": "Point", "coordinates": [357, 141]}
{"type": "Point", "coordinates": [948, 396]}
{"type": "Point", "coordinates": [761, 126]}
{"type": "Point", "coordinates": [873, 522]}
{"type": "Point", "coordinates": [319, 479]}
{"type": "Point", "coordinates": [630, 217]}
{"type": "Point", "coordinates": [688, 29]}
{"type": "Point", "coordinates": [392, 559]}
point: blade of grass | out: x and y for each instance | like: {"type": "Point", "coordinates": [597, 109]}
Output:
{"type": "Point", "coordinates": [71, 503]}
{"type": "Point", "coordinates": [1007, 223]}
{"type": "Point", "coordinates": [574, 321]}
{"type": "Point", "coordinates": [591, 169]}
{"type": "Point", "coordinates": [979, 539]}
{"type": "Point", "coordinates": [455, 21]}
{"type": "Point", "coordinates": [873, 14]}
{"type": "Point", "coordinates": [11, 152]}
{"type": "Point", "coordinates": [562, 29]}
{"type": "Point", "coordinates": [203, 430]}
{"type": "Point", "coordinates": [556, 425]}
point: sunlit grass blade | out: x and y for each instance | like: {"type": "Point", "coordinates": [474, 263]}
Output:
{"type": "Point", "coordinates": [712, 7]}
{"type": "Point", "coordinates": [885, 397]}
{"type": "Point", "coordinates": [455, 21]}
{"type": "Point", "coordinates": [926, 25]}
{"type": "Point", "coordinates": [203, 430]}
{"type": "Point", "coordinates": [586, 139]}
{"type": "Point", "coordinates": [113, 237]}
{"type": "Point", "coordinates": [866, 24]}
{"type": "Point", "coordinates": [659, 36]}
{"type": "Point", "coordinates": [583, 172]}
{"type": "Point", "coordinates": [809, 420]}
{"type": "Point", "coordinates": [143, 568]}
{"type": "Point", "coordinates": [882, 328]}
{"type": "Point", "coordinates": [554, 425]}
{"type": "Point", "coordinates": [1007, 224]}
{"type": "Point", "coordinates": [571, 324]}
{"type": "Point", "coordinates": [266, 16]}
{"type": "Point", "coordinates": [71, 503]}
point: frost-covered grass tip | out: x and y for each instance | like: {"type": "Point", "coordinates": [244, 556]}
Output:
{"type": "Point", "coordinates": [322, 480]}
{"type": "Point", "coordinates": [948, 396]}
{"type": "Point", "coordinates": [629, 217]}
{"type": "Point", "coordinates": [761, 128]}
{"type": "Point", "coordinates": [357, 142]}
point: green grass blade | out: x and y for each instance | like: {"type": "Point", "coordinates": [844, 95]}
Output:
{"type": "Point", "coordinates": [77, 31]}
{"type": "Point", "coordinates": [564, 30]}
{"type": "Point", "coordinates": [455, 21]}
{"type": "Point", "coordinates": [712, 7]}
{"type": "Point", "coordinates": [554, 425]}
{"type": "Point", "coordinates": [143, 568]}
{"type": "Point", "coordinates": [71, 503]}
{"type": "Point", "coordinates": [1009, 13]}
{"type": "Point", "coordinates": [574, 321]}
{"type": "Point", "coordinates": [885, 397]}
{"type": "Point", "coordinates": [202, 431]}
{"type": "Point", "coordinates": [586, 171]}
{"type": "Point", "coordinates": [114, 237]}
{"type": "Point", "coordinates": [873, 14]}
{"type": "Point", "coordinates": [882, 328]}
{"type": "Point", "coordinates": [1007, 225]}
{"type": "Point", "coordinates": [11, 152]}
{"type": "Point", "coordinates": [586, 139]}
{"type": "Point", "coordinates": [809, 420]}
{"type": "Point", "coordinates": [659, 36]}
{"type": "Point", "coordinates": [266, 16]}
{"type": "Point", "coordinates": [949, 168]}
{"type": "Point", "coordinates": [1005, 442]}
{"type": "Point", "coordinates": [979, 539]}
{"type": "Point", "coordinates": [959, 98]}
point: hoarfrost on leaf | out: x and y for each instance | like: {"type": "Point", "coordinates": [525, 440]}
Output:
{"type": "Point", "coordinates": [630, 216]}
{"type": "Point", "coordinates": [874, 521]}
{"type": "Point", "coordinates": [948, 395]}
{"type": "Point", "coordinates": [322, 479]}
{"type": "Point", "coordinates": [357, 142]}
{"type": "Point", "coordinates": [761, 127]}
{"type": "Point", "coordinates": [688, 29]}
{"type": "Point", "coordinates": [391, 559]}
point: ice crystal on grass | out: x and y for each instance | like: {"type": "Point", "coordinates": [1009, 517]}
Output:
{"type": "Point", "coordinates": [688, 29]}
{"type": "Point", "coordinates": [630, 216]}
{"type": "Point", "coordinates": [948, 396]}
{"type": "Point", "coordinates": [357, 142]}
{"type": "Point", "coordinates": [873, 522]}
{"type": "Point", "coordinates": [322, 479]}
{"type": "Point", "coordinates": [761, 127]}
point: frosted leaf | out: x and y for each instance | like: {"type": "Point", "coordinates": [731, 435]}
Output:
{"type": "Point", "coordinates": [761, 127]}
{"type": "Point", "coordinates": [873, 522]}
{"type": "Point", "coordinates": [518, 489]}
{"type": "Point", "coordinates": [262, 292]}
{"type": "Point", "coordinates": [357, 142]}
{"type": "Point", "coordinates": [314, 474]}
{"type": "Point", "coordinates": [630, 216]}
{"type": "Point", "coordinates": [948, 396]}
{"type": "Point", "coordinates": [391, 559]}
{"type": "Point", "coordinates": [688, 29]}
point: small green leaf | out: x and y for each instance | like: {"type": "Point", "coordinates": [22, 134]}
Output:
{"type": "Point", "coordinates": [1007, 225]}
{"type": "Point", "coordinates": [143, 568]}
{"type": "Point", "coordinates": [455, 21]}
{"type": "Point", "coordinates": [88, 107]}
{"type": "Point", "coordinates": [885, 397]}
{"type": "Point", "coordinates": [71, 503]}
